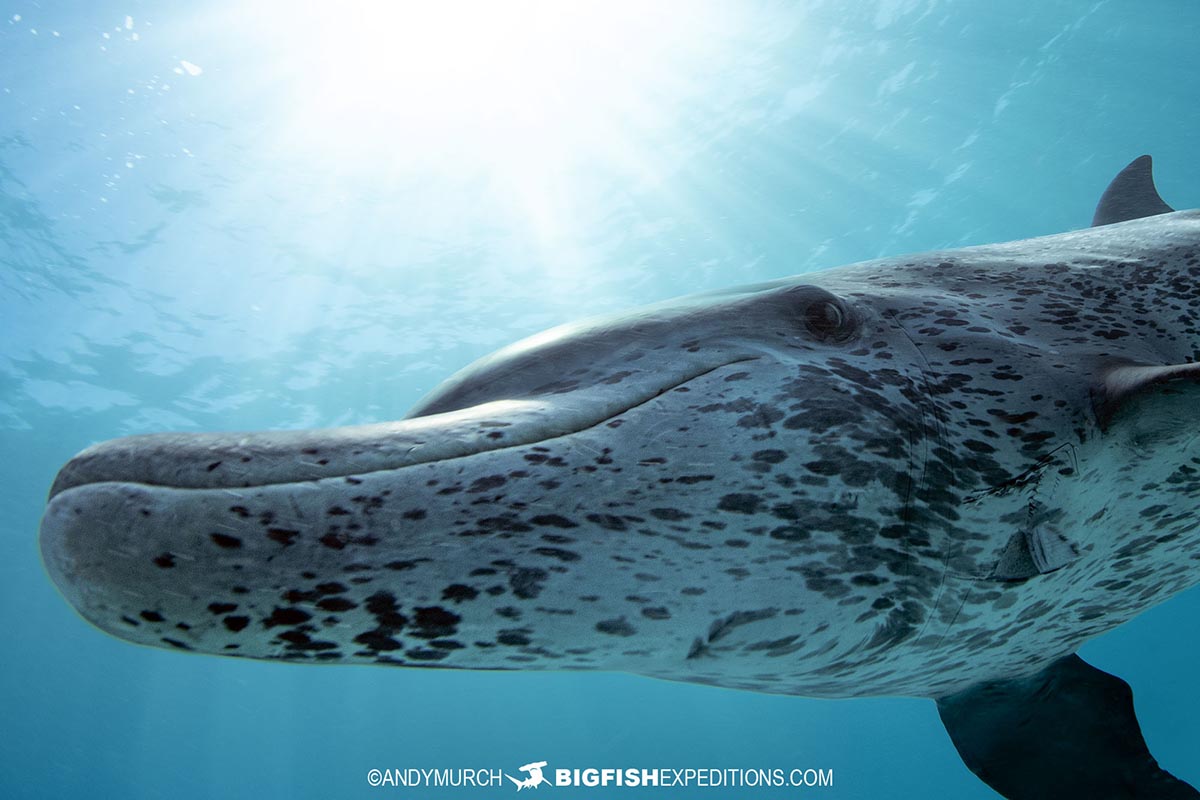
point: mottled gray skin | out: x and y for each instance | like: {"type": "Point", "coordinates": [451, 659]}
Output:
{"type": "Point", "coordinates": [899, 477]}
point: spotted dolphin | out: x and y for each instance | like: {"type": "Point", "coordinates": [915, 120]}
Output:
{"type": "Point", "coordinates": [933, 475]}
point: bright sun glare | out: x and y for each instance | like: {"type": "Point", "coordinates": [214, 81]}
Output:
{"type": "Point", "coordinates": [540, 109]}
{"type": "Point", "coordinates": [512, 83]}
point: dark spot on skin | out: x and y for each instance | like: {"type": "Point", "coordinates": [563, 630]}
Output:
{"type": "Point", "coordinates": [421, 654]}
{"type": "Point", "coordinates": [616, 627]}
{"type": "Point", "coordinates": [526, 583]}
{"type": "Point", "coordinates": [505, 522]}
{"type": "Point", "coordinates": [414, 514]}
{"type": "Point", "coordinates": [383, 607]}
{"type": "Point", "coordinates": [770, 456]}
{"type": "Point", "coordinates": [212, 466]}
{"type": "Point", "coordinates": [241, 511]}
{"type": "Point", "coordinates": [236, 624]}
{"type": "Point", "coordinates": [553, 520]}
{"type": "Point", "coordinates": [226, 541]}
{"type": "Point", "coordinates": [176, 643]}
{"type": "Point", "coordinates": [377, 640]}
{"type": "Point", "coordinates": [370, 503]}
{"type": "Point", "coordinates": [608, 521]}
{"type": "Point", "coordinates": [557, 552]}
{"type": "Point", "coordinates": [742, 503]}
{"type": "Point", "coordinates": [222, 608]}
{"type": "Point", "coordinates": [435, 622]}
{"type": "Point", "coordinates": [458, 592]}
{"type": "Point", "coordinates": [513, 638]}
{"type": "Point", "coordinates": [165, 561]}
{"type": "Point", "coordinates": [336, 604]}
{"type": "Point", "coordinates": [616, 377]}
{"type": "Point", "coordinates": [286, 616]}
{"type": "Point", "coordinates": [282, 535]}
{"type": "Point", "coordinates": [298, 596]}
{"type": "Point", "coordinates": [486, 483]}
{"type": "Point", "coordinates": [151, 616]}
{"type": "Point", "coordinates": [1011, 418]}
{"type": "Point", "coordinates": [657, 612]}
{"type": "Point", "coordinates": [299, 640]}
{"type": "Point", "coordinates": [824, 467]}
{"type": "Point", "coordinates": [762, 416]}
{"type": "Point", "coordinates": [333, 541]}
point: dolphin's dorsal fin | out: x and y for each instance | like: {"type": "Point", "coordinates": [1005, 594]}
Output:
{"type": "Point", "coordinates": [1131, 195]}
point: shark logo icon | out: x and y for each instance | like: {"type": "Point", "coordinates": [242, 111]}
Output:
{"type": "Point", "coordinates": [535, 779]}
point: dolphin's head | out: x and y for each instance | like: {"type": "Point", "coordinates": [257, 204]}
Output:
{"type": "Point", "coordinates": [682, 491]}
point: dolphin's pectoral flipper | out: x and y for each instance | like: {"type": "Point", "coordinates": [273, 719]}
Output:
{"type": "Point", "coordinates": [1066, 732]}
{"type": "Point", "coordinates": [1131, 195]}
{"type": "Point", "coordinates": [1148, 404]}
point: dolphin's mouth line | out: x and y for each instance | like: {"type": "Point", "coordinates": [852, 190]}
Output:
{"type": "Point", "coordinates": [231, 461]}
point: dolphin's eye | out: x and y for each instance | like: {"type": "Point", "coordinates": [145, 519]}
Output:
{"type": "Point", "coordinates": [827, 319]}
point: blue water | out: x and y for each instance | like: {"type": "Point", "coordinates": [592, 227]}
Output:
{"type": "Point", "coordinates": [244, 215]}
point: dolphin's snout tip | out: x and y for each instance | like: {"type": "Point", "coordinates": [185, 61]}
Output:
{"type": "Point", "coordinates": [50, 538]}
{"type": "Point", "coordinates": [87, 540]}
{"type": "Point", "coordinates": [55, 538]}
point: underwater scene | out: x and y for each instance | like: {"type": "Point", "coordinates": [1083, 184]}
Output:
{"type": "Point", "coordinates": [739, 528]}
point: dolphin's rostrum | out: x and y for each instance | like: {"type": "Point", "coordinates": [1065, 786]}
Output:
{"type": "Point", "coordinates": [934, 475]}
